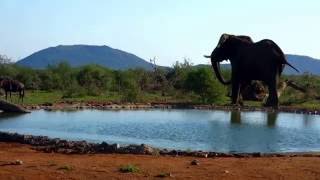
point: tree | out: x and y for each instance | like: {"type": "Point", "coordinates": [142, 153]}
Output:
{"type": "Point", "coordinates": [95, 79]}
{"type": "Point", "coordinates": [28, 76]}
{"type": "Point", "coordinates": [4, 59]}
{"type": "Point", "coordinates": [62, 75]}
{"type": "Point", "coordinates": [202, 82]}
{"type": "Point", "coordinates": [126, 83]}
{"type": "Point", "coordinates": [178, 74]}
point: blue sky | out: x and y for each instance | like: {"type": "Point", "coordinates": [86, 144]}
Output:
{"type": "Point", "coordinates": [168, 29]}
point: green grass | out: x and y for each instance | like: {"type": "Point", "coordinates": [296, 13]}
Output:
{"type": "Point", "coordinates": [129, 169]}
{"type": "Point", "coordinates": [311, 105]}
{"type": "Point", "coordinates": [41, 97]}
{"type": "Point", "coordinates": [49, 97]}
{"type": "Point", "coordinates": [45, 97]}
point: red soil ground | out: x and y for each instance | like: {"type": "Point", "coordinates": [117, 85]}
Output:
{"type": "Point", "coordinates": [38, 165]}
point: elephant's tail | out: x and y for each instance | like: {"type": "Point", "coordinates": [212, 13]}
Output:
{"type": "Point", "coordinates": [291, 66]}
{"type": "Point", "coordinates": [284, 59]}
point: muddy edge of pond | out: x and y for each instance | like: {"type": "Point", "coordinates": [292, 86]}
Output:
{"type": "Point", "coordinates": [56, 145]}
{"type": "Point", "coordinates": [139, 106]}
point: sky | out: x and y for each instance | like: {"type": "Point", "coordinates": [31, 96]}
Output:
{"type": "Point", "coordinates": [169, 30]}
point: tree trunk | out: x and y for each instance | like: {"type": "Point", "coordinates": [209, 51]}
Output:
{"type": "Point", "coordinates": [6, 106]}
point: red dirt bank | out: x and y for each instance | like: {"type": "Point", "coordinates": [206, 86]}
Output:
{"type": "Point", "coordinates": [38, 165]}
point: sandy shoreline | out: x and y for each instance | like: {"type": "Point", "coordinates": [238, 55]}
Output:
{"type": "Point", "coordinates": [39, 165]}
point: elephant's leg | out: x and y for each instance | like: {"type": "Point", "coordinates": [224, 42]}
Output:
{"type": "Point", "coordinates": [273, 95]}
{"type": "Point", "coordinates": [240, 99]}
{"type": "Point", "coordinates": [235, 92]}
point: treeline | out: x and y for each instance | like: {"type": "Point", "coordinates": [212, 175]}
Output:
{"type": "Point", "coordinates": [182, 81]}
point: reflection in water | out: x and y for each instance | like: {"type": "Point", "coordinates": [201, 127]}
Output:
{"type": "Point", "coordinates": [308, 120]}
{"type": "Point", "coordinates": [6, 115]}
{"type": "Point", "coordinates": [272, 119]}
{"type": "Point", "coordinates": [235, 117]}
{"type": "Point", "coordinates": [222, 131]}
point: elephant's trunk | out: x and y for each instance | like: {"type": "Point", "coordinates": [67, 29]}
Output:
{"type": "Point", "coordinates": [217, 71]}
{"type": "Point", "coordinates": [216, 68]}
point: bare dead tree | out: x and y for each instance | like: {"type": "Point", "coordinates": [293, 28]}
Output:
{"type": "Point", "coordinates": [160, 81]}
{"type": "Point", "coordinates": [5, 59]}
{"type": "Point", "coordinates": [153, 62]}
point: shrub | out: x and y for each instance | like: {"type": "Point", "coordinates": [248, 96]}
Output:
{"type": "Point", "coordinates": [129, 169]}
{"type": "Point", "coordinates": [73, 91]}
{"type": "Point", "coordinates": [202, 82]}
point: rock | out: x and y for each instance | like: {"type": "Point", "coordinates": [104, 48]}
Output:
{"type": "Point", "coordinates": [163, 175]}
{"type": "Point", "coordinates": [18, 162]}
{"type": "Point", "coordinates": [226, 171]}
{"type": "Point", "coordinates": [10, 107]}
{"type": "Point", "coordinates": [195, 162]}
{"type": "Point", "coordinates": [137, 149]}
{"type": "Point", "coordinates": [256, 154]}
{"type": "Point", "coordinates": [164, 152]}
{"type": "Point", "coordinates": [199, 154]}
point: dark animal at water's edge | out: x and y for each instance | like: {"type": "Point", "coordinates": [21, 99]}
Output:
{"type": "Point", "coordinates": [10, 85]}
{"type": "Point", "coordinates": [253, 91]}
{"type": "Point", "coordinates": [263, 60]}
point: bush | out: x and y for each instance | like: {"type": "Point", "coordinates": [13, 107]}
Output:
{"type": "Point", "coordinates": [95, 79]}
{"type": "Point", "coordinates": [202, 82]}
{"type": "Point", "coordinates": [73, 91]}
{"type": "Point", "coordinates": [129, 169]}
{"type": "Point", "coordinates": [131, 92]}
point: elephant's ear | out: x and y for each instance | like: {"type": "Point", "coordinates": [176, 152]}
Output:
{"type": "Point", "coordinates": [223, 39]}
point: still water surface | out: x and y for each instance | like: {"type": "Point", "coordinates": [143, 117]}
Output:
{"type": "Point", "coordinates": [222, 131]}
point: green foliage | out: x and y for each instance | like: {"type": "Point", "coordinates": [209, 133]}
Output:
{"type": "Point", "coordinates": [62, 75]}
{"type": "Point", "coordinates": [178, 75]}
{"type": "Point", "coordinates": [28, 76]}
{"type": "Point", "coordinates": [129, 169]}
{"type": "Point", "coordinates": [94, 79]}
{"type": "Point", "coordinates": [202, 82]}
{"type": "Point", "coordinates": [73, 90]}
{"type": "Point", "coordinates": [310, 98]}
{"type": "Point", "coordinates": [182, 83]}
{"type": "Point", "coordinates": [8, 70]}
{"type": "Point", "coordinates": [129, 85]}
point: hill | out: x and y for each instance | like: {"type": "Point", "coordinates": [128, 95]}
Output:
{"type": "Point", "coordinates": [79, 55]}
{"type": "Point", "coordinates": [304, 64]}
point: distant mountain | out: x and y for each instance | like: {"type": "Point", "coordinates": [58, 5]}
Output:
{"type": "Point", "coordinates": [79, 55]}
{"type": "Point", "coordinates": [302, 63]}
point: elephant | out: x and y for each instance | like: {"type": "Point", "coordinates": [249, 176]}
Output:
{"type": "Point", "coordinates": [263, 61]}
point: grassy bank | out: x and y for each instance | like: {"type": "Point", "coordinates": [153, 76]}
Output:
{"type": "Point", "coordinates": [48, 97]}
{"type": "Point", "coordinates": [37, 97]}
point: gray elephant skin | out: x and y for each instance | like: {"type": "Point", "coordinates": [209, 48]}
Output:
{"type": "Point", "coordinates": [263, 60]}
